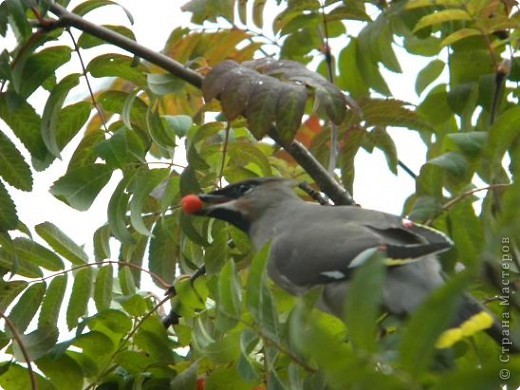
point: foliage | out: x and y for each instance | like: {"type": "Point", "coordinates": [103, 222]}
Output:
{"type": "Point", "coordinates": [236, 330]}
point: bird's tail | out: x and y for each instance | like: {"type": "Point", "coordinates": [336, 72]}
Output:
{"type": "Point", "coordinates": [472, 317]}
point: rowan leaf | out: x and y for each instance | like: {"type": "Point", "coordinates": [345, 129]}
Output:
{"type": "Point", "coordinates": [61, 243]}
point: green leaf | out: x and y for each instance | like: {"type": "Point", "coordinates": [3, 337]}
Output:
{"type": "Point", "coordinates": [460, 72]}
{"type": "Point", "coordinates": [179, 124]}
{"type": "Point", "coordinates": [370, 72]}
{"type": "Point", "coordinates": [164, 248]}
{"type": "Point", "coordinates": [243, 154]}
{"type": "Point", "coordinates": [259, 300]}
{"type": "Point", "coordinates": [37, 343]}
{"type": "Point", "coordinates": [9, 291]}
{"type": "Point", "coordinates": [163, 137]}
{"type": "Point", "coordinates": [117, 65]}
{"type": "Point", "coordinates": [119, 102]}
{"type": "Point", "coordinates": [79, 187]}
{"type": "Point", "coordinates": [164, 83]}
{"type": "Point", "coordinates": [472, 143]}
{"type": "Point", "coordinates": [84, 8]}
{"type": "Point", "coordinates": [103, 287]}
{"type": "Point", "coordinates": [95, 345]}
{"type": "Point", "coordinates": [79, 297]}
{"type": "Point", "coordinates": [428, 75]}
{"type": "Point", "coordinates": [51, 305]}
{"type": "Point", "coordinates": [70, 121]}
{"type": "Point", "coordinates": [459, 35]}
{"type": "Point", "coordinates": [63, 371]}
{"type": "Point", "coordinates": [41, 66]}
{"type": "Point", "coordinates": [17, 378]}
{"type": "Point", "coordinates": [382, 140]}
{"type": "Point", "coordinates": [31, 251]}
{"type": "Point", "coordinates": [123, 148]}
{"type": "Point", "coordinates": [483, 378]}
{"type": "Point", "coordinates": [143, 184]}
{"type": "Point", "coordinates": [427, 323]}
{"type": "Point", "coordinates": [378, 112]}
{"type": "Point", "coordinates": [114, 323]}
{"type": "Point", "coordinates": [52, 109]}
{"type": "Point", "coordinates": [84, 153]}
{"type": "Point", "coordinates": [8, 216]}
{"type": "Point", "coordinates": [448, 15]}
{"type": "Point", "coordinates": [467, 232]}
{"type": "Point", "coordinates": [10, 261]}
{"type": "Point", "coordinates": [453, 162]}
{"type": "Point", "coordinates": [362, 309]}
{"type": "Point", "coordinates": [134, 305]}
{"type": "Point", "coordinates": [126, 281]}
{"type": "Point", "coordinates": [87, 41]}
{"type": "Point", "coordinates": [102, 243]}
{"type": "Point", "coordinates": [116, 212]}
{"type": "Point", "coordinates": [61, 243]}
{"type": "Point", "coordinates": [248, 341]}
{"type": "Point", "coordinates": [190, 297]}
{"type": "Point", "coordinates": [351, 79]}
{"type": "Point", "coordinates": [187, 379]}
{"type": "Point", "coordinates": [153, 339]}
{"type": "Point", "coordinates": [218, 252]}
{"type": "Point", "coordinates": [424, 208]}
{"type": "Point", "coordinates": [23, 312]}
{"type": "Point", "coordinates": [434, 108]}
{"type": "Point", "coordinates": [25, 123]}
{"type": "Point", "coordinates": [228, 301]}
{"type": "Point", "coordinates": [462, 98]}
{"type": "Point", "coordinates": [502, 134]}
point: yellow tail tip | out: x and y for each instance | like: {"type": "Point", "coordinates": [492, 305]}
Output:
{"type": "Point", "coordinates": [474, 324]}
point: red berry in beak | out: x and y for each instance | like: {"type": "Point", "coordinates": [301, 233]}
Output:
{"type": "Point", "coordinates": [191, 204]}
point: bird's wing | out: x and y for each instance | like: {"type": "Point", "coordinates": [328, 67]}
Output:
{"type": "Point", "coordinates": [318, 253]}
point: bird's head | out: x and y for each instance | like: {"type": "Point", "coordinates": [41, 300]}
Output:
{"type": "Point", "coordinates": [241, 203]}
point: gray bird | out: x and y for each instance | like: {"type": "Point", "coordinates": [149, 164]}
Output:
{"type": "Point", "coordinates": [314, 245]}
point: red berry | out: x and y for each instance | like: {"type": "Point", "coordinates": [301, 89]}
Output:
{"type": "Point", "coordinates": [191, 204]}
{"type": "Point", "coordinates": [201, 382]}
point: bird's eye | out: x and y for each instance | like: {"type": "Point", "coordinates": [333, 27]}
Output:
{"type": "Point", "coordinates": [243, 189]}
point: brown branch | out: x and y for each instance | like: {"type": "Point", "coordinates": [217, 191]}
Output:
{"type": "Point", "coordinates": [18, 338]}
{"type": "Point", "coordinates": [326, 182]}
{"type": "Point", "coordinates": [67, 18]}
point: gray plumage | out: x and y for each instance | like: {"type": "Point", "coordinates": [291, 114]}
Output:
{"type": "Point", "coordinates": [314, 245]}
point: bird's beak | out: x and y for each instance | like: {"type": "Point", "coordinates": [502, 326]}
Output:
{"type": "Point", "coordinates": [214, 198]}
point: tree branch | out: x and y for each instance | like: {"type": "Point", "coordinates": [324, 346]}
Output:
{"type": "Point", "coordinates": [326, 182]}
{"type": "Point", "coordinates": [67, 18]}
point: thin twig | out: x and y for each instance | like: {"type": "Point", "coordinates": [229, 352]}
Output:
{"type": "Point", "coordinates": [462, 196]}
{"type": "Point", "coordinates": [25, 353]}
{"type": "Point", "coordinates": [157, 278]}
{"type": "Point", "coordinates": [224, 153]}
{"type": "Point", "coordinates": [334, 142]}
{"type": "Point", "coordinates": [407, 169]}
{"type": "Point", "coordinates": [89, 86]}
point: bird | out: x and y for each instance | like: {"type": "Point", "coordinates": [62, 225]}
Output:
{"type": "Point", "coordinates": [314, 245]}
